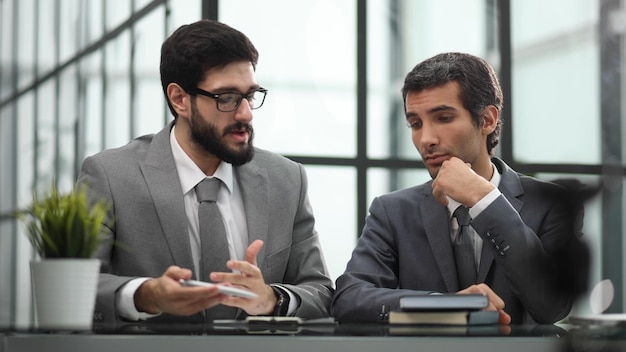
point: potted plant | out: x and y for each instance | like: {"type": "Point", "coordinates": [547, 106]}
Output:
{"type": "Point", "coordinates": [64, 230]}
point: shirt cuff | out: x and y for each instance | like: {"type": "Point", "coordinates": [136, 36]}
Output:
{"type": "Point", "coordinates": [484, 203]}
{"type": "Point", "coordinates": [125, 301]}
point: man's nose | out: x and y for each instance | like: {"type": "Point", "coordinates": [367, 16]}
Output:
{"type": "Point", "coordinates": [244, 112]}
{"type": "Point", "coordinates": [428, 136]}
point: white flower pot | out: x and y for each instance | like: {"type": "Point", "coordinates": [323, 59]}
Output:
{"type": "Point", "coordinates": [65, 292]}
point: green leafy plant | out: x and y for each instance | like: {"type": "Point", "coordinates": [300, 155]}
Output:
{"type": "Point", "coordinates": [64, 225]}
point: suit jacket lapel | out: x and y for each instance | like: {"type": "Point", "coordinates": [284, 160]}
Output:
{"type": "Point", "coordinates": [253, 181]}
{"type": "Point", "coordinates": [510, 184]}
{"type": "Point", "coordinates": [159, 171]}
{"type": "Point", "coordinates": [437, 228]}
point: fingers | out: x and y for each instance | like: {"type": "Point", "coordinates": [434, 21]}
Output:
{"type": "Point", "coordinates": [262, 305]}
{"type": "Point", "coordinates": [192, 300]}
{"type": "Point", "coordinates": [165, 294]}
{"type": "Point", "coordinates": [495, 302]}
{"type": "Point", "coordinates": [457, 180]}
{"type": "Point", "coordinates": [244, 270]}
{"type": "Point", "coordinates": [250, 278]}
{"type": "Point", "coordinates": [247, 275]}
{"type": "Point", "coordinates": [504, 318]}
{"type": "Point", "coordinates": [440, 196]}
{"type": "Point", "coordinates": [443, 185]}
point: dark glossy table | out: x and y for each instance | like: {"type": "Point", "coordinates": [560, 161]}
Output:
{"type": "Point", "coordinates": [318, 337]}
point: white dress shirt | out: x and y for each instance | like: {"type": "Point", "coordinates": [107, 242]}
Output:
{"type": "Point", "coordinates": [229, 202]}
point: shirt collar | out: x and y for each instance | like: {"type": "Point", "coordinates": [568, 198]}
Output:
{"type": "Point", "coordinates": [190, 174]}
{"type": "Point", "coordinates": [495, 180]}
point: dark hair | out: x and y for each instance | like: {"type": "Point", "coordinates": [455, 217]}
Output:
{"type": "Point", "coordinates": [478, 82]}
{"type": "Point", "coordinates": [195, 48]}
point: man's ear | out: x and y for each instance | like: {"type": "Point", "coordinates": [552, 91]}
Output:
{"type": "Point", "coordinates": [490, 118]}
{"type": "Point", "coordinates": [179, 99]}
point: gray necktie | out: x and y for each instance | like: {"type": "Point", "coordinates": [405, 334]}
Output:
{"type": "Point", "coordinates": [213, 242]}
{"type": "Point", "coordinates": [463, 249]}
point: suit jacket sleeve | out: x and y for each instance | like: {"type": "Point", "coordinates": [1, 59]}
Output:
{"type": "Point", "coordinates": [94, 175]}
{"type": "Point", "coordinates": [305, 273]}
{"type": "Point", "coordinates": [368, 288]}
{"type": "Point", "coordinates": [525, 245]}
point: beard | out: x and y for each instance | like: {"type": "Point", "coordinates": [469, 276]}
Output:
{"type": "Point", "coordinates": [207, 136]}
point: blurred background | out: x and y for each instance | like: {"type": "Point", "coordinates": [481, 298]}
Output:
{"type": "Point", "coordinates": [80, 76]}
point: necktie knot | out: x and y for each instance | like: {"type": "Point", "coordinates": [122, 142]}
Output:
{"type": "Point", "coordinates": [206, 191]}
{"type": "Point", "coordinates": [462, 215]}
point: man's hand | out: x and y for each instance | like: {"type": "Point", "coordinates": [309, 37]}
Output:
{"type": "Point", "coordinates": [457, 180]}
{"type": "Point", "coordinates": [495, 302]}
{"type": "Point", "coordinates": [249, 277]}
{"type": "Point", "coordinates": [165, 294]}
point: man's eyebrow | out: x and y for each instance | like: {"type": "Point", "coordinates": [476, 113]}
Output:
{"type": "Point", "coordinates": [229, 89]}
{"type": "Point", "coordinates": [442, 108]}
{"type": "Point", "coordinates": [437, 108]}
{"type": "Point", "coordinates": [408, 115]}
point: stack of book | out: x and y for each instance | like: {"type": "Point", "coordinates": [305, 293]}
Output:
{"type": "Point", "coordinates": [444, 309]}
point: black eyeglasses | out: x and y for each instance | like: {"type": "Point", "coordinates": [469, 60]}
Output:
{"type": "Point", "coordinates": [227, 102]}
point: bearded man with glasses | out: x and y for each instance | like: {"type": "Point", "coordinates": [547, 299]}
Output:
{"type": "Point", "coordinates": [154, 231]}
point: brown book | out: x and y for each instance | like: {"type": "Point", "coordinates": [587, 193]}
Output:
{"type": "Point", "coordinates": [449, 317]}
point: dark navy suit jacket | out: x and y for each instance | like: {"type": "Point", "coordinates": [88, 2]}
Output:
{"type": "Point", "coordinates": [405, 248]}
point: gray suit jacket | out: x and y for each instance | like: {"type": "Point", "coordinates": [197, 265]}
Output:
{"type": "Point", "coordinates": [405, 249]}
{"type": "Point", "coordinates": [148, 222]}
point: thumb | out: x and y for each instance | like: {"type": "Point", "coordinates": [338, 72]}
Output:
{"type": "Point", "coordinates": [176, 273]}
{"type": "Point", "coordinates": [253, 250]}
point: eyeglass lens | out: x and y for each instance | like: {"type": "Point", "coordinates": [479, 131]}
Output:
{"type": "Point", "coordinates": [231, 101]}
